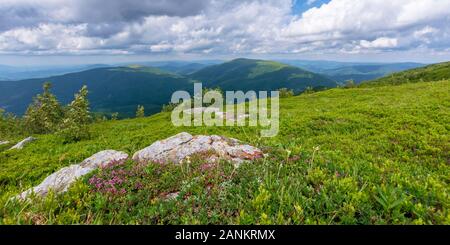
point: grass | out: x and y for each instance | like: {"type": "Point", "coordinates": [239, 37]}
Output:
{"type": "Point", "coordinates": [370, 155]}
{"type": "Point", "coordinates": [433, 72]}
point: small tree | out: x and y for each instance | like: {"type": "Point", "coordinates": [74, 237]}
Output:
{"type": "Point", "coordinates": [114, 116]}
{"type": "Point", "coordinates": [286, 93]}
{"type": "Point", "coordinates": [140, 112]}
{"type": "Point", "coordinates": [75, 125]}
{"type": "Point", "coordinates": [10, 125]}
{"type": "Point", "coordinates": [45, 113]}
{"type": "Point", "coordinates": [349, 84]}
{"type": "Point", "coordinates": [309, 90]}
{"type": "Point", "coordinates": [169, 107]}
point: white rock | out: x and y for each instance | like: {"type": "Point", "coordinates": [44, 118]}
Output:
{"type": "Point", "coordinates": [22, 143]}
{"type": "Point", "coordinates": [4, 142]}
{"type": "Point", "coordinates": [61, 180]}
{"type": "Point", "coordinates": [177, 148]}
{"type": "Point", "coordinates": [198, 110]}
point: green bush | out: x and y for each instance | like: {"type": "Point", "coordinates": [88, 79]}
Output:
{"type": "Point", "coordinates": [169, 107]}
{"type": "Point", "coordinates": [10, 125]}
{"type": "Point", "coordinates": [140, 112]}
{"type": "Point", "coordinates": [349, 84]}
{"type": "Point", "coordinates": [45, 114]}
{"type": "Point", "coordinates": [286, 93]}
{"type": "Point", "coordinates": [77, 118]}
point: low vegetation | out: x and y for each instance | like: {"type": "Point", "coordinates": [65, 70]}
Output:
{"type": "Point", "coordinates": [435, 72]}
{"type": "Point", "coordinates": [364, 155]}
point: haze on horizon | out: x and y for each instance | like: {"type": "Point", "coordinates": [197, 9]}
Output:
{"type": "Point", "coordinates": [50, 32]}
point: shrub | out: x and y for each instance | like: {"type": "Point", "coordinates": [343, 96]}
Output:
{"type": "Point", "coordinates": [286, 93]}
{"type": "Point", "coordinates": [349, 84]}
{"type": "Point", "coordinates": [169, 107]}
{"type": "Point", "coordinates": [9, 125]}
{"type": "Point", "coordinates": [140, 112]}
{"type": "Point", "coordinates": [114, 116]}
{"type": "Point", "coordinates": [45, 114]}
{"type": "Point", "coordinates": [309, 90]}
{"type": "Point", "coordinates": [77, 117]}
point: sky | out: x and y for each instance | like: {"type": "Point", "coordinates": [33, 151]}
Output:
{"type": "Point", "coordinates": [106, 31]}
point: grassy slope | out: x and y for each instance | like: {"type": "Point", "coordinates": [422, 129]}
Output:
{"type": "Point", "coordinates": [435, 72]}
{"type": "Point", "coordinates": [360, 156]}
{"type": "Point", "coordinates": [259, 75]}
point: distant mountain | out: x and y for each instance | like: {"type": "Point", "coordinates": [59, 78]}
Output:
{"type": "Point", "coordinates": [9, 73]}
{"type": "Point", "coordinates": [118, 89]}
{"type": "Point", "coordinates": [182, 69]}
{"type": "Point", "coordinates": [121, 89]}
{"type": "Point", "coordinates": [343, 71]}
{"type": "Point", "coordinates": [435, 72]}
{"type": "Point", "coordinates": [360, 73]}
{"type": "Point", "coordinates": [259, 75]}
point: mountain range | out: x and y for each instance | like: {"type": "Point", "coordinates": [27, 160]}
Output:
{"type": "Point", "coordinates": [121, 89]}
{"type": "Point", "coordinates": [358, 72]}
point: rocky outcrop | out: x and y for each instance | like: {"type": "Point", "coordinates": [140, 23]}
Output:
{"type": "Point", "coordinates": [217, 112]}
{"type": "Point", "coordinates": [177, 148]}
{"type": "Point", "coordinates": [22, 143]}
{"type": "Point", "coordinates": [61, 180]}
{"type": "Point", "coordinates": [197, 110]}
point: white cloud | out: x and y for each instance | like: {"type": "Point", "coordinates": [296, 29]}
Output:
{"type": "Point", "coordinates": [382, 42]}
{"type": "Point", "coordinates": [222, 27]}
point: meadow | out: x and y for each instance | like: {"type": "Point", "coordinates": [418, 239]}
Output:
{"type": "Point", "coordinates": [364, 155]}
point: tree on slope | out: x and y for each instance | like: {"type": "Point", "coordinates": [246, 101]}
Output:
{"type": "Point", "coordinates": [140, 112]}
{"type": "Point", "coordinates": [75, 125]}
{"type": "Point", "coordinates": [44, 114]}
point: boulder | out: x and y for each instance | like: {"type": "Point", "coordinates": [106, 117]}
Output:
{"type": "Point", "coordinates": [177, 148]}
{"type": "Point", "coordinates": [198, 110]}
{"type": "Point", "coordinates": [61, 180]}
{"type": "Point", "coordinates": [22, 143]}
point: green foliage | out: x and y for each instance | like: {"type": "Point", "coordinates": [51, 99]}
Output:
{"type": "Point", "coordinates": [10, 125]}
{"type": "Point", "coordinates": [114, 116]}
{"type": "Point", "coordinates": [45, 113]}
{"type": "Point", "coordinates": [435, 72]}
{"type": "Point", "coordinates": [77, 117]}
{"type": "Point", "coordinates": [140, 112]}
{"type": "Point", "coordinates": [286, 93]}
{"type": "Point", "coordinates": [169, 107]}
{"type": "Point", "coordinates": [309, 90]}
{"type": "Point", "coordinates": [376, 155]}
{"type": "Point", "coordinates": [349, 84]}
{"type": "Point", "coordinates": [259, 75]}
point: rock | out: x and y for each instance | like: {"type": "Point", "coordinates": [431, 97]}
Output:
{"type": "Point", "coordinates": [22, 143]}
{"type": "Point", "coordinates": [198, 110]}
{"type": "Point", "coordinates": [172, 196]}
{"type": "Point", "coordinates": [61, 180]}
{"type": "Point", "coordinates": [4, 142]}
{"type": "Point", "coordinates": [231, 115]}
{"type": "Point", "coordinates": [176, 148]}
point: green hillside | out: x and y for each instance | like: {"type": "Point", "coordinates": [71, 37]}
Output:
{"type": "Point", "coordinates": [122, 89]}
{"type": "Point", "coordinates": [365, 72]}
{"type": "Point", "coordinates": [260, 75]}
{"type": "Point", "coordinates": [118, 89]}
{"type": "Point", "coordinates": [367, 155]}
{"type": "Point", "coordinates": [435, 72]}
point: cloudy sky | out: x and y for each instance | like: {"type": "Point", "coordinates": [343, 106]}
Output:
{"type": "Point", "coordinates": [77, 31]}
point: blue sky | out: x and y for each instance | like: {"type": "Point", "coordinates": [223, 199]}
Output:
{"type": "Point", "coordinates": [300, 6]}
{"type": "Point", "coordinates": [108, 31]}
